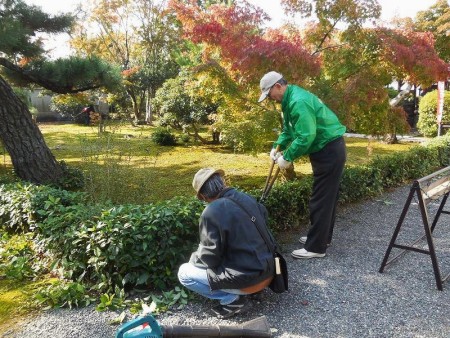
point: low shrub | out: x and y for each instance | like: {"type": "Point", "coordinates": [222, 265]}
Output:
{"type": "Point", "coordinates": [16, 257]}
{"type": "Point", "coordinates": [288, 202]}
{"type": "Point", "coordinates": [20, 202]}
{"type": "Point", "coordinates": [63, 293]}
{"type": "Point", "coordinates": [427, 123]}
{"type": "Point", "coordinates": [163, 137]}
{"type": "Point", "coordinates": [121, 246]}
{"type": "Point", "coordinates": [359, 183]}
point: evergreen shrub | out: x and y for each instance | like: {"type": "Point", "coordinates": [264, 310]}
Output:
{"type": "Point", "coordinates": [427, 123]}
{"type": "Point", "coordinates": [163, 137]}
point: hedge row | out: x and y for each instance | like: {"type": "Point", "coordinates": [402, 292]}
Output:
{"type": "Point", "coordinates": [104, 245]}
{"type": "Point", "coordinates": [108, 246]}
{"type": "Point", "coordinates": [288, 202]}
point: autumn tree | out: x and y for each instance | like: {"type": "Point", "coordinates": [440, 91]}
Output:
{"type": "Point", "coordinates": [23, 62]}
{"type": "Point", "coordinates": [436, 20]}
{"type": "Point", "coordinates": [235, 54]}
{"type": "Point", "coordinates": [335, 55]}
{"type": "Point", "coordinates": [140, 36]}
{"type": "Point", "coordinates": [359, 62]}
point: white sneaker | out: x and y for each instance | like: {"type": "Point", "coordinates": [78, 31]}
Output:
{"type": "Point", "coordinates": [302, 253]}
{"type": "Point", "coordinates": [302, 240]}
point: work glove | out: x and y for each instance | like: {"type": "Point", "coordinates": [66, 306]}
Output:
{"type": "Point", "coordinates": [282, 163]}
{"type": "Point", "coordinates": [274, 154]}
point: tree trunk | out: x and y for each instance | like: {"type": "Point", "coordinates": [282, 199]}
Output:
{"type": "Point", "coordinates": [289, 173]}
{"type": "Point", "coordinates": [391, 138]}
{"type": "Point", "coordinates": [135, 105]}
{"type": "Point", "coordinates": [30, 155]}
{"type": "Point", "coordinates": [149, 108]}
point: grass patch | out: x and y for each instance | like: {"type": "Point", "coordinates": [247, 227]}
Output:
{"type": "Point", "coordinates": [14, 303]}
{"type": "Point", "coordinates": [124, 165]}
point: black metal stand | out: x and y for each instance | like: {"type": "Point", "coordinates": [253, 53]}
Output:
{"type": "Point", "coordinates": [425, 192]}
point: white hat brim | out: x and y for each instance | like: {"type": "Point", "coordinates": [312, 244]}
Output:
{"type": "Point", "coordinates": [264, 95]}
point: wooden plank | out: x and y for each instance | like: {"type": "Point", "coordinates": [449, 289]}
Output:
{"type": "Point", "coordinates": [436, 183]}
{"type": "Point", "coordinates": [439, 172]}
{"type": "Point", "coordinates": [436, 192]}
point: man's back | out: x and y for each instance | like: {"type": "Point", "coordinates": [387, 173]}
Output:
{"type": "Point", "coordinates": [230, 244]}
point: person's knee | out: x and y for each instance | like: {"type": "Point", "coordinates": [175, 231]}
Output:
{"type": "Point", "coordinates": [183, 275]}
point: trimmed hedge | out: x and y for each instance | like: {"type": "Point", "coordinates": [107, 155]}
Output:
{"type": "Point", "coordinates": [288, 202]}
{"type": "Point", "coordinates": [122, 245]}
{"type": "Point", "coordinates": [104, 245]}
{"type": "Point", "coordinates": [107, 246]}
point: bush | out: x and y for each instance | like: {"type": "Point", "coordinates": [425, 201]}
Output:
{"type": "Point", "coordinates": [288, 202]}
{"type": "Point", "coordinates": [358, 183]}
{"type": "Point", "coordinates": [427, 123]}
{"type": "Point", "coordinates": [16, 257]}
{"type": "Point", "coordinates": [20, 204]}
{"type": "Point", "coordinates": [122, 245]}
{"type": "Point", "coordinates": [163, 137]}
{"type": "Point", "coordinates": [102, 244]}
{"type": "Point", "coordinates": [62, 293]}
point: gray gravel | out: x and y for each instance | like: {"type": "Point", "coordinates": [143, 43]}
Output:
{"type": "Point", "coordinates": [341, 295]}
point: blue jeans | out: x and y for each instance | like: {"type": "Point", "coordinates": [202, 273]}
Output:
{"type": "Point", "coordinates": [196, 279]}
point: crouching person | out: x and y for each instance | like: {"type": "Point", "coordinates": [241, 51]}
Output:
{"type": "Point", "coordinates": [232, 259]}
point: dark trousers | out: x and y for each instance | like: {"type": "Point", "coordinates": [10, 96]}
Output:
{"type": "Point", "coordinates": [327, 165]}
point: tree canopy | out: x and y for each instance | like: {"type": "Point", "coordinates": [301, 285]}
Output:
{"type": "Point", "coordinates": [335, 55]}
{"type": "Point", "coordinates": [436, 20]}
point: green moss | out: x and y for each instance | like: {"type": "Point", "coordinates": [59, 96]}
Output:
{"type": "Point", "coordinates": [13, 297]}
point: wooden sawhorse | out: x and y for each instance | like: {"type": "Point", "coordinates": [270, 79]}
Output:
{"type": "Point", "coordinates": [426, 189]}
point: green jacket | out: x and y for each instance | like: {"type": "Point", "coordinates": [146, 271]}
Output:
{"type": "Point", "coordinates": [308, 124]}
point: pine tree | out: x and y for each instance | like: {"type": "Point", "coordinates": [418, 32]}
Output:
{"type": "Point", "coordinates": [23, 62]}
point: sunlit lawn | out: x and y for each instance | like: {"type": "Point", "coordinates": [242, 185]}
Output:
{"type": "Point", "coordinates": [124, 165]}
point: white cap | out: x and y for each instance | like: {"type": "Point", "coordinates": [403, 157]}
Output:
{"type": "Point", "coordinates": [267, 81]}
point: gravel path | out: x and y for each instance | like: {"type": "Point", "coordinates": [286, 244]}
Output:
{"type": "Point", "coordinates": [342, 295]}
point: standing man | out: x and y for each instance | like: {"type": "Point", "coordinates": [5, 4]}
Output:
{"type": "Point", "coordinates": [309, 127]}
{"type": "Point", "coordinates": [232, 259]}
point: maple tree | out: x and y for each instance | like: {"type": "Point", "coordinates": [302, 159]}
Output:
{"type": "Point", "coordinates": [436, 20]}
{"type": "Point", "coordinates": [335, 56]}
{"type": "Point", "coordinates": [235, 54]}
{"type": "Point", "coordinates": [359, 62]}
{"type": "Point", "coordinates": [234, 32]}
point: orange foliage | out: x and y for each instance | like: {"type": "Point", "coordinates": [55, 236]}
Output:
{"type": "Point", "coordinates": [130, 72]}
{"type": "Point", "coordinates": [234, 32]}
{"type": "Point", "coordinates": [24, 61]}
{"type": "Point", "coordinates": [413, 54]}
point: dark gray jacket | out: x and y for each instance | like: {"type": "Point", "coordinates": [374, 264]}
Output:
{"type": "Point", "coordinates": [231, 247]}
